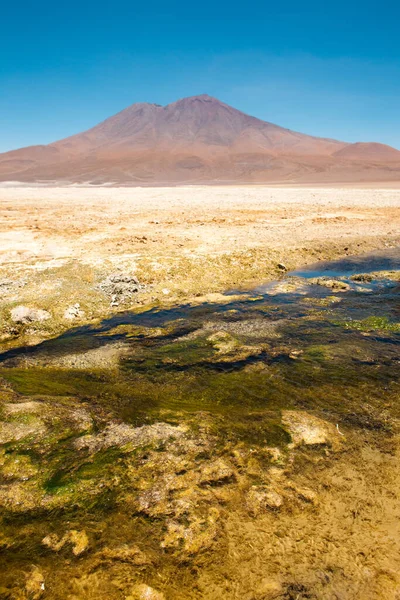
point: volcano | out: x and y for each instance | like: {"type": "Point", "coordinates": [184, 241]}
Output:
{"type": "Point", "coordinates": [197, 140]}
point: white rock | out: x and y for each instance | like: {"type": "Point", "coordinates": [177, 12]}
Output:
{"type": "Point", "coordinates": [309, 430]}
{"type": "Point", "coordinates": [74, 312]}
{"type": "Point", "coordinates": [24, 314]}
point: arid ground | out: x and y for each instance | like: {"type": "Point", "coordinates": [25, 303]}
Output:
{"type": "Point", "coordinates": [163, 439]}
{"type": "Point", "coordinates": [58, 244]}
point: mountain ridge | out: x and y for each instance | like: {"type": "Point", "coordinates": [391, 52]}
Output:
{"type": "Point", "coordinates": [198, 139]}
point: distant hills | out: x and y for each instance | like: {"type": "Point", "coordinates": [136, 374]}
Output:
{"type": "Point", "coordinates": [197, 140]}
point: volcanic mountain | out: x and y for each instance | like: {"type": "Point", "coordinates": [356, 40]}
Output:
{"type": "Point", "coordinates": [196, 140]}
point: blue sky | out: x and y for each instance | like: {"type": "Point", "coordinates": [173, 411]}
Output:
{"type": "Point", "coordinates": [325, 68]}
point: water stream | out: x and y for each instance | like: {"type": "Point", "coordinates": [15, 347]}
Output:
{"type": "Point", "coordinates": [204, 382]}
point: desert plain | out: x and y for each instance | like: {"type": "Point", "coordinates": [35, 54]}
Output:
{"type": "Point", "coordinates": [182, 243]}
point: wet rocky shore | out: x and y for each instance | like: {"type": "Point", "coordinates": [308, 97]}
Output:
{"type": "Point", "coordinates": [245, 448]}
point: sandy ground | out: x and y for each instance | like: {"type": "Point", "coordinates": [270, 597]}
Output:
{"type": "Point", "coordinates": [57, 244]}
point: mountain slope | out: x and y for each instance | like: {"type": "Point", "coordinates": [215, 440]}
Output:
{"type": "Point", "coordinates": [370, 151]}
{"type": "Point", "coordinates": [196, 139]}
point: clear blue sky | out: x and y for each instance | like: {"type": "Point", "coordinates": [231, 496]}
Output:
{"type": "Point", "coordinates": [328, 68]}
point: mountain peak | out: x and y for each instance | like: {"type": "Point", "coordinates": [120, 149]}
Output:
{"type": "Point", "coordinates": [199, 100]}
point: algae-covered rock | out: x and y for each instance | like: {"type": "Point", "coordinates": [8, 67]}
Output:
{"type": "Point", "coordinates": [14, 466]}
{"type": "Point", "coordinates": [261, 498]}
{"type": "Point", "coordinates": [231, 349]}
{"type": "Point", "coordinates": [289, 286]}
{"type": "Point", "coordinates": [309, 430]}
{"type": "Point", "coordinates": [16, 430]}
{"type": "Point", "coordinates": [371, 323]}
{"type": "Point", "coordinates": [43, 417]}
{"type": "Point", "coordinates": [223, 342]}
{"type": "Point", "coordinates": [78, 540]}
{"type": "Point", "coordinates": [189, 539]}
{"type": "Point", "coordinates": [121, 434]}
{"type": "Point", "coordinates": [216, 472]}
{"type": "Point", "coordinates": [335, 285]}
{"type": "Point", "coordinates": [20, 497]}
{"type": "Point", "coordinates": [304, 493]}
{"type": "Point", "coordinates": [363, 277]}
{"type": "Point", "coordinates": [104, 357]}
{"type": "Point", "coordinates": [30, 406]}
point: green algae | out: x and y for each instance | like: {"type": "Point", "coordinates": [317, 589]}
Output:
{"type": "Point", "coordinates": [372, 323]}
{"type": "Point", "coordinates": [69, 472]}
{"type": "Point", "coordinates": [55, 382]}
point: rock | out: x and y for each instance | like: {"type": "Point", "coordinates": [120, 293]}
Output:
{"type": "Point", "coordinates": [103, 357]}
{"type": "Point", "coordinates": [363, 277]}
{"type": "Point", "coordinates": [260, 498]}
{"type": "Point", "coordinates": [273, 500]}
{"type": "Point", "coordinates": [287, 286]}
{"type": "Point", "coordinates": [191, 539]}
{"type": "Point", "coordinates": [216, 472]}
{"type": "Point", "coordinates": [34, 586]}
{"type": "Point", "coordinates": [223, 342]}
{"type": "Point", "coordinates": [18, 430]}
{"type": "Point", "coordinates": [295, 354]}
{"type": "Point", "coordinates": [333, 284]}
{"type": "Point", "coordinates": [309, 430]}
{"type": "Point", "coordinates": [24, 314]}
{"type": "Point", "coordinates": [7, 285]}
{"type": "Point", "coordinates": [31, 407]}
{"type": "Point", "coordinates": [275, 454]}
{"type": "Point", "coordinates": [305, 494]}
{"type": "Point", "coordinates": [121, 434]}
{"type": "Point", "coordinates": [17, 467]}
{"type": "Point", "coordinates": [20, 497]}
{"type": "Point", "coordinates": [363, 290]}
{"type": "Point", "coordinates": [154, 501]}
{"type": "Point", "coordinates": [255, 328]}
{"type": "Point", "coordinates": [144, 592]}
{"type": "Point", "coordinates": [74, 312]}
{"type": "Point", "coordinates": [53, 542]}
{"type": "Point", "coordinates": [120, 287]}
{"type": "Point", "coordinates": [82, 420]}
{"type": "Point", "coordinates": [77, 539]}
{"type": "Point", "coordinates": [282, 267]}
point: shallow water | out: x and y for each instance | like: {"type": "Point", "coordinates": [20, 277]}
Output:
{"type": "Point", "coordinates": [223, 371]}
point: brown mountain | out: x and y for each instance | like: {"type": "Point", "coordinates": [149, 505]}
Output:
{"type": "Point", "coordinates": [196, 140]}
{"type": "Point", "coordinates": [370, 151]}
